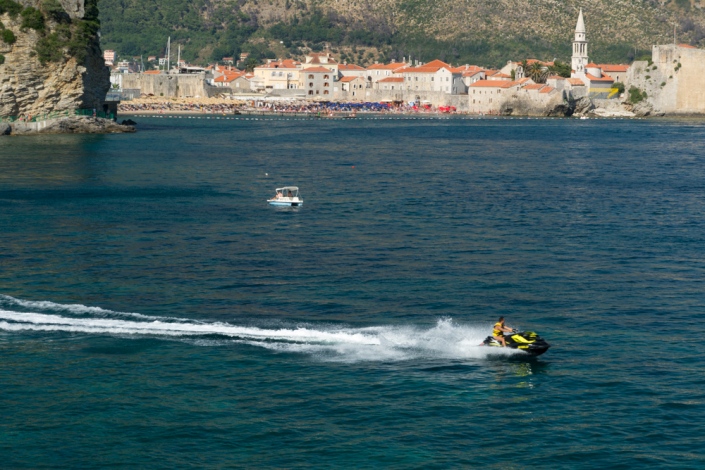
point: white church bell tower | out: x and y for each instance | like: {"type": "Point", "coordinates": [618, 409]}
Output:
{"type": "Point", "coordinates": [580, 55]}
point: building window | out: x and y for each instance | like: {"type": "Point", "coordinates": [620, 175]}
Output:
{"type": "Point", "coordinates": [310, 77]}
{"type": "Point", "coordinates": [310, 85]}
{"type": "Point", "coordinates": [325, 92]}
{"type": "Point", "coordinates": [310, 92]}
{"type": "Point", "coordinates": [326, 77]}
{"type": "Point", "coordinates": [326, 84]}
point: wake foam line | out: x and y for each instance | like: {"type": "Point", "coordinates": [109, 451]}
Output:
{"type": "Point", "coordinates": [445, 340]}
{"type": "Point", "coordinates": [43, 322]}
{"type": "Point", "coordinates": [44, 305]}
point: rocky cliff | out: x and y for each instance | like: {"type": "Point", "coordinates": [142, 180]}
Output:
{"type": "Point", "coordinates": [51, 59]}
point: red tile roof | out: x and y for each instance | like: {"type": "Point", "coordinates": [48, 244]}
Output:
{"type": "Point", "coordinates": [576, 82]}
{"type": "Point", "coordinates": [350, 67]}
{"type": "Point", "coordinates": [493, 83]}
{"type": "Point", "coordinates": [280, 64]}
{"type": "Point", "coordinates": [614, 67]}
{"type": "Point", "coordinates": [316, 69]}
{"type": "Point", "coordinates": [593, 78]}
{"type": "Point", "coordinates": [350, 79]}
{"type": "Point", "coordinates": [547, 89]}
{"type": "Point", "coordinates": [390, 66]}
{"type": "Point", "coordinates": [436, 63]}
{"type": "Point", "coordinates": [392, 79]}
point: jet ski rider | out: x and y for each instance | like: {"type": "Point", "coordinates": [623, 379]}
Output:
{"type": "Point", "coordinates": [499, 329]}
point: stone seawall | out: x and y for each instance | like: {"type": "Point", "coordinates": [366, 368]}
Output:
{"type": "Point", "coordinates": [167, 85]}
{"type": "Point", "coordinates": [674, 81]}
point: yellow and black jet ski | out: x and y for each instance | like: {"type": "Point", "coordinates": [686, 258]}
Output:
{"type": "Point", "coordinates": [526, 341]}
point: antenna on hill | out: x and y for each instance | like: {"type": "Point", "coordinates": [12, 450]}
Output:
{"type": "Point", "coordinates": [168, 54]}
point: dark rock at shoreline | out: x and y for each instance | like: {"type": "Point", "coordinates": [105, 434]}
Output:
{"type": "Point", "coordinates": [72, 125]}
{"type": "Point", "coordinates": [5, 129]}
{"type": "Point", "coordinates": [644, 109]}
{"type": "Point", "coordinates": [526, 107]}
{"type": "Point", "coordinates": [128, 122]}
{"type": "Point", "coordinates": [561, 110]}
{"type": "Point", "coordinates": [583, 106]}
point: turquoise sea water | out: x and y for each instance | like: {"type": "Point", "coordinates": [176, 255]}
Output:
{"type": "Point", "coordinates": [155, 312]}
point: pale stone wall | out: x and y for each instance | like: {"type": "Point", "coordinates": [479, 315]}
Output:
{"type": "Point", "coordinates": [167, 85]}
{"type": "Point", "coordinates": [675, 82]}
{"type": "Point", "coordinates": [691, 77]}
{"type": "Point", "coordinates": [436, 98]}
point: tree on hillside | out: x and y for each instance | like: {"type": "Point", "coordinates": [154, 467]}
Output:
{"type": "Point", "coordinates": [561, 69]}
{"type": "Point", "coordinates": [537, 72]}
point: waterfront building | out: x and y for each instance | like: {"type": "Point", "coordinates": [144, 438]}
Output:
{"type": "Point", "coordinates": [487, 96]}
{"type": "Point", "coordinates": [321, 59]}
{"type": "Point", "coordinates": [390, 84]}
{"type": "Point", "coordinates": [434, 76]}
{"type": "Point", "coordinates": [616, 71]}
{"type": "Point", "coordinates": [228, 78]}
{"type": "Point", "coordinates": [353, 85]}
{"type": "Point", "coordinates": [109, 57]}
{"type": "Point", "coordinates": [351, 70]}
{"type": "Point", "coordinates": [317, 81]}
{"type": "Point", "coordinates": [277, 75]}
{"type": "Point", "coordinates": [378, 72]}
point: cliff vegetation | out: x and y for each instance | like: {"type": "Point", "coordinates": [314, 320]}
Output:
{"type": "Point", "coordinates": [486, 32]}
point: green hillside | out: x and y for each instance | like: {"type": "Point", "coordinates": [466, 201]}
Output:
{"type": "Point", "coordinates": [483, 32]}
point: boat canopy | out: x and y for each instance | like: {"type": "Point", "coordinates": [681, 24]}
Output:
{"type": "Point", "coordinates": [288, 188]}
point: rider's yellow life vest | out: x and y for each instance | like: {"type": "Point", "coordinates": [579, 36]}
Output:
{"type": "Point", "coordinates": [497, 329]}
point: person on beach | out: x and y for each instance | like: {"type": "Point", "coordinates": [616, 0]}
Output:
{"type": "Point", "coordinates": [499, 329]}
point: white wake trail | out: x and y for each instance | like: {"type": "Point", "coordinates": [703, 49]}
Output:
{"type": "Point", "coordinates": [444, 340]}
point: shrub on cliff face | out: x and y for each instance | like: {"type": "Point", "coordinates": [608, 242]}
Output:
{"type": "Point", "coordinates": [51, 47]}
{"type": "Point", "coordinates": [8, 6]}
{"type": "Point", "coordinates": [55, 11]}
{"type": "Point", "coordinates": [8, 36]}
{"type": "Point", "coordinates": [636, 95]}
{"type": "Point", "coordinates": [2, 59]}
{"type": "Point", "coordinates": [69, 37]}
{"type": "Point", "coordinates": [32, 19]}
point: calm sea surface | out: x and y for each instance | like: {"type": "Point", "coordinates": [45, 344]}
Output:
{"type": "Point", "coordinates": [155, 312]}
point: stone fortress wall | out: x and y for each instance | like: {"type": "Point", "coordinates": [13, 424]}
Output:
{"type": "Point", "coordinates": [674, 81]}
{"type": "Point", "coordinates": [167, 85]}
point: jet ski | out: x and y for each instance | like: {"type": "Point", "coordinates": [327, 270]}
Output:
{"type": "Point", "coordinates": [526, 341]}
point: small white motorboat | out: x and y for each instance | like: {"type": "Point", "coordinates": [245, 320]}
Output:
{"type": "Point", "coordinates": [287, 196]}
